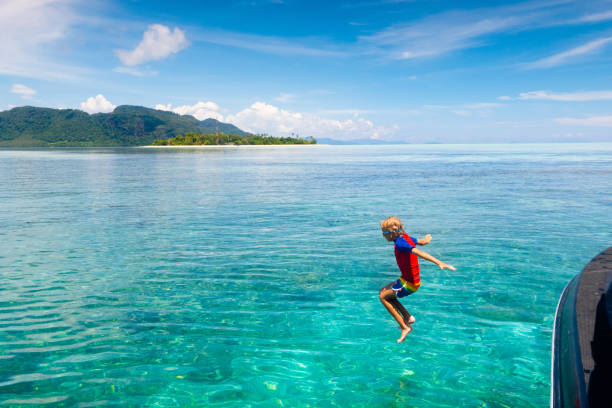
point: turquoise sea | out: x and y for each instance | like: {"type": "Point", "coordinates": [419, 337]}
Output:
{"type": "Point", "coordinates": [249, 276]}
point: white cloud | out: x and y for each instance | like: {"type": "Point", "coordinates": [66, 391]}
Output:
{"type": "Point", "coordinates": [605, 121]}
{"type": "Point", "coordinates": [564, 96]}
{"type": "Point", "coordinates": [97, 104]}
{"type": "Point", "coordinates": [24, 91]}
{"type": "Point", "coordinates": [271, 45]}
{"type": "Point", "coordinates": [482, 105]}
{"type": "Point", "coordinates": [459, 29]}
{"type": "Point", "coordinates": [481, 109]}
{"type": "Point", "coordinates": [157, 43]}
{"type": "Point", "coordinates": [569, 55]}
{"type": "Point", "coordinates": [436, 35]}
{"type": "Point", "coordinates": [285, 97]}
{"type": "Point", "coordinates": [352, 112]}
{"type": "Point", "coordinates": [29, 30]}
{"type": "Point", "coordinates": [135, 72]}
{"type": "Point", "coordinates": [427, 37]}
{"type": "Point", "coordinates": [321, 92]}
{"type": "Point", "coordinates": [200, 111]}
{"type": "Point", "coordinates": [449, 31]}
{"type": "Point", "coordinates": [261, 117]}
{"type": "Point", "coordinates": [596, 17]}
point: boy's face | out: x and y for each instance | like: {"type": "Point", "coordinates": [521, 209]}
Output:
{"type": "Point", "coordinates": [391, 233]}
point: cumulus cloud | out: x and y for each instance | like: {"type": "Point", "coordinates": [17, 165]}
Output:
{"type": "Point", "coordinates": [200, 111]}
{"type": "Point", "coordinates": [261, 117]}
{"type": "Point", "coordinates": [97, 104]}
{"type": "Point", "coordinates": [24, 91]}
{"type": "Point", "coordinates": [157, 43]}
{"type": "Point", "coordinates": [605, 121]}
{"type": "Point", "coordinates": [563, 96]}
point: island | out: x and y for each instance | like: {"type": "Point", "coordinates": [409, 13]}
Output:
{"type": "Point", "coordinates": [195, 139]}
{"type": "Point", "coordinates": [30, 126]}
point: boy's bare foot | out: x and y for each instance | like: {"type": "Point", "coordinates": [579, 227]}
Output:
{"type": "Point", "coordinates": [405, 332]}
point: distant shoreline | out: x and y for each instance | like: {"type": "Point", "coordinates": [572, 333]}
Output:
{"type": "Point", "coordinates": [227, 146]}
{"type": "Point", "coordinates": [402, 145]}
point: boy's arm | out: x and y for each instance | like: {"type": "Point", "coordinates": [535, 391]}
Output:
{"type": "Point", "coordinates": [430, 258]}
{"type": "Point", "coordinates": [424, 241]}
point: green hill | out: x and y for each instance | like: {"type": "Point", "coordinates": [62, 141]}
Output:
{"type": "Point", "coordinates": [29, 126]}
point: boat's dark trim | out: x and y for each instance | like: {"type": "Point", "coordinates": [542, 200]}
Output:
{"type": "Point", "coordinates": [568, 388]}
{"type": "Point", "coordinates": [581, 368]}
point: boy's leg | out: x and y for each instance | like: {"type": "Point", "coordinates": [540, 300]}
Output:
{"type": "Point", "coordinates": [385, 295]}
{"type": "Point", "coordinates": [408, 318]}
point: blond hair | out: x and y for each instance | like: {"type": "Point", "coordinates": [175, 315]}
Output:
{"type": "Point", "coordinates": [391, 223]}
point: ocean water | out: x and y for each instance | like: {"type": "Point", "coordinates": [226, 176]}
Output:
{"type": "Point", "coordinates": [249, 276]}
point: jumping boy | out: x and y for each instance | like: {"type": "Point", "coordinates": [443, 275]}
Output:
{"type": "Point", "coordinates": [406, 256]}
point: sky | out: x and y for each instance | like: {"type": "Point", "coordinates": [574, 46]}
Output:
{"type": "Point", "coordinates": [430, 71]}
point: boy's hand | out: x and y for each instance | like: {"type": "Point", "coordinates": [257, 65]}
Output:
{"type": "Point", "coordinates": [443, 265]}
{"type": "Point", "coordinates": [425, 240]}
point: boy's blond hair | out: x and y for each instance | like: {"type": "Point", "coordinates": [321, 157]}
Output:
{"type": "Point", "coordinates": [391, 223]}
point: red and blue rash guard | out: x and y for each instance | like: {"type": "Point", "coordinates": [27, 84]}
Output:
{"type": "Point", "coordinates": [406, 260]}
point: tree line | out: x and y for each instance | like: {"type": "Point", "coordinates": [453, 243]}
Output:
{"type": "Point", "coordinates": [193, 138]}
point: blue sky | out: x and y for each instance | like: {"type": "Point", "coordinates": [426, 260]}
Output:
{"type": "Point", "coordinates": [413, 71]}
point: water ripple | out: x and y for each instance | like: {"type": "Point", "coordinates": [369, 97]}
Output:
{"type": "Point", "coordinates": [250, 277]}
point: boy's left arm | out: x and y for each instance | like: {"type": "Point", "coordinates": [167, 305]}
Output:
{"type": "Point", "coordinates": [430, 258]}
{"type": "Point", "coordinates": [425, 240]}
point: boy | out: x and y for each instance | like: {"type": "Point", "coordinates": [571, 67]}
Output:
{"type": "Point", "coordinates": [406, 256]}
